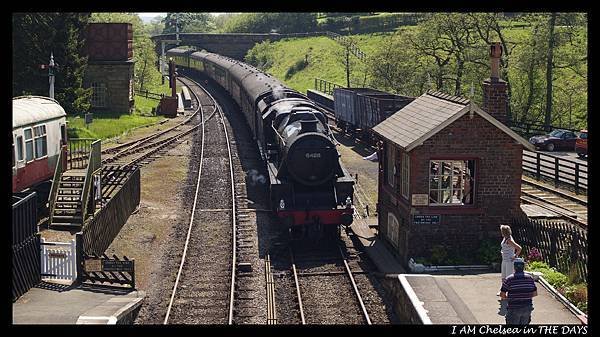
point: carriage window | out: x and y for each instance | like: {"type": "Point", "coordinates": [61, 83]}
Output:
{"type": "Point", "coordinates": [28, 145]}
{"type": "Point", "coordinates": [63, 134]}
{"type": "Point", "coordinates": [451, 182]}
{"type": "Point", "coordinates": [19, 148]}
{"type": "Point", "coordinates": [98, 99]}
{"type": "Point", "coordinates": [41, 146]}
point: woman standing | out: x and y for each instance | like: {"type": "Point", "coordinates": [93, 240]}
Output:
{"type": "Point", "coordinates": [509, 250]}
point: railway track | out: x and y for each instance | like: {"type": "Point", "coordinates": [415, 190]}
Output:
{"type": "Point", "coordinates": [204, 289]}
{"type": "Point", "coordinates": [570, 208]}
{"type": "Point", "coordinates": [324, 282]}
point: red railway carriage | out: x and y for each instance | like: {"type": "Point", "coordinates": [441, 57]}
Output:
{"type": "Point", "coordinates": [39, 131]}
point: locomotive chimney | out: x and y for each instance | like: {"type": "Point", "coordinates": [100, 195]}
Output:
{"type": "Point", "coordinates": [495, 90]}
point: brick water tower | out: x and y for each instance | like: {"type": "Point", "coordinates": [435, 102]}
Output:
{"type": "Point", "coordinates": [109, 47]}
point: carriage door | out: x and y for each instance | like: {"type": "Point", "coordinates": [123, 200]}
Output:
{"type": "Point", "coordinates": [63, 145]}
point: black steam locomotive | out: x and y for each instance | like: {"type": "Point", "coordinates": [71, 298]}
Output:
{"type": "Point", "coordinates": [309, 188]}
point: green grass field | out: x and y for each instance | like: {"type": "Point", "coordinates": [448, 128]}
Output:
{"type": "Point", "coordinates": [111, 124]}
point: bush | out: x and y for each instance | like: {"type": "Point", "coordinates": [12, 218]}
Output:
{"type": "Point", "coordinates": [489, 252]}
{"type": "Point", "coordinates": [555, 278]}
{"type": "Point", "coordinates": [438, 255]}
{"type": "Point", "coordinates": [578, 295]}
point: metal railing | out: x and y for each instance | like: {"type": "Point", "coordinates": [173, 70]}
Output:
{"type": "Point", "coordinates": [79, 149]}
{"type": "Point", "coordinates": [326, 86]}
{"type": "Point", "coordinates": [93, 168]}
{"type": "Point", "coordinates": [559, 170]}
{"type": "Point", "coordinates": [56, 180]}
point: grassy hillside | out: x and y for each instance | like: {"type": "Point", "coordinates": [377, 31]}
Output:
{"type": "Point", "coordinates": [324, 60]}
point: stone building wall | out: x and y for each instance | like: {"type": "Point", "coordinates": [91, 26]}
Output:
{"type": "Point", "coordinates": [118, 78]}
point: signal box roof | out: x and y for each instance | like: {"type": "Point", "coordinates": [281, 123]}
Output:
{"type": "Point", "coordinates": [29, 110]}
{"type": "Point", "coordinates": [428, 114]}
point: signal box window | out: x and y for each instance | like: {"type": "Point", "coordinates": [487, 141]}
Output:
{"type": "Point", "coordinates": [28, 145]}
{"type": "Point", "coordinates": [451, 182]}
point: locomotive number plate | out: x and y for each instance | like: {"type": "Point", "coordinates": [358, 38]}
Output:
{"type": "Point", "coordinates": [313, 155]}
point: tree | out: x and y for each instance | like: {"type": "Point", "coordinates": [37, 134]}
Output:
{"type": "Point", "coordinates": [271, 23]}
{"type": "Point", "coordinates": [188, 23]}
{"type": "Point", "coordinates": [35, 35]}
{"type": "Point", "coordinates": [345, 56]}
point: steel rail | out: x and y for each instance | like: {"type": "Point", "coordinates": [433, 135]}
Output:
{"type": "Point", "coordinates": [187, 240]}
{"type": "Point", "coordinates": [300, 306]}
{"type": "Point", "coordinates": [349, 272]}
{"type": "Point", "coordinates": [233, 217]}
{"type": "Point", "coordinates": [143, 140]}
{"type": "Point", "coordinates": [532, 199]}
{"type": "Point", "coordinates": [270, 287]}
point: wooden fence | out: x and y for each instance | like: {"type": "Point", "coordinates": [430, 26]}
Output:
{"type": "Point", "coordinates": [103, 227]}
{"type": "Point", "coordinates": [563, 246]}
{"type": "Point", "coordinates": [528, 129]}
{"type": "Point", "coordinates": [343, 40]}
{"type": "Point", "coordinates": [25, 246]}
{"type": "Point", "coordinates": [148, 94]}
{"type": "Point", "coordinates": [557, 169]}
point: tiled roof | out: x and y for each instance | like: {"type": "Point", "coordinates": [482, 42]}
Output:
{"type": "Point", "coordinates": [428, 114]}
{"type": "Point", "coordinates": [419, 118]}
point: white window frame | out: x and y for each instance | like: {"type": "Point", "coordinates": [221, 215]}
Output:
{"type": "Point", "coordinates": [30, 140]}
{"type": "Point", "coordinates": [455, 188]}
{"type": "Point", "coordinates": [391, 165]}
{"type": "Point", "coordinates": [393, 227]}
{"type": "Point", "coordinates": [41, 135]}
{"type": "Point", "coordinates": [20, 149]}
{"type": "Point", "coordinates": [405, 174]}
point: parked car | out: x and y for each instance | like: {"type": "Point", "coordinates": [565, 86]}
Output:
{"type": "Point", "coordinates": [555, 140]}
{"type": "Point", "coordinates": [581, 144]}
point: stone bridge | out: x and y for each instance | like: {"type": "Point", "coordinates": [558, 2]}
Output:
{"type": "Point", "coordinates": [234, 45]}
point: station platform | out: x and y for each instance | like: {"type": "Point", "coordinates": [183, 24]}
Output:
{"type": "Point", "coordinates": [51, 303]}
{"type": "Point", "coordinates": [455, 297]}
{"type": "Point", "coordinates": [471, 299]}
{"type": "Point", "coordinates": [384, 260]}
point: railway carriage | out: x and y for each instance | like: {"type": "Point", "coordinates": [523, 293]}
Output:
{"type": "Point", "coordinates": [309, 188]}
{"type": "Point", "coordinates": [39, 131]}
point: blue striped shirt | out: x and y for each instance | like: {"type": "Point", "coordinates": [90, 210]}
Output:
{"type": "Point", "coordinates": [520, 287]}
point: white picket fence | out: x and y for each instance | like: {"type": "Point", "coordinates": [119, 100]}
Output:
{"type": "Point", "coordinates": [59, 260]}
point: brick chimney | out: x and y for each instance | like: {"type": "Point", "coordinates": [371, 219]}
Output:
{"type": "Point", "coordinates": [495, 90]}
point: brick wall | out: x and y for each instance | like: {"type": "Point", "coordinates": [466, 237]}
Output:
{"type": "Point", "coordinates": [498, 172]}
{"type": "Point", "coordinates": [495, 99]}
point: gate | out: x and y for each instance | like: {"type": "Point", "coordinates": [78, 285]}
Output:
{"type": "Point", "coordinates": [59, 260]}
{"type": "Point", "coordinates": [103, 269]}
